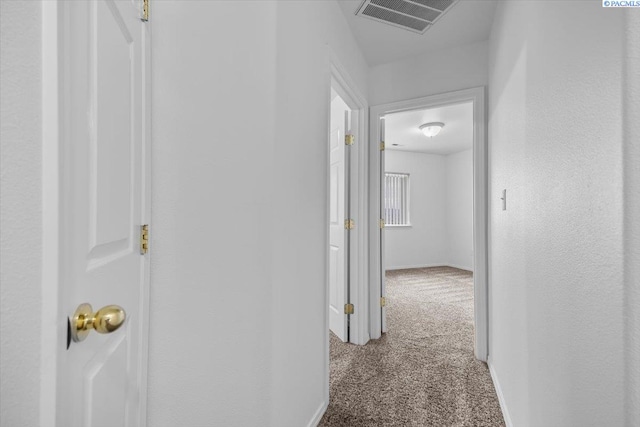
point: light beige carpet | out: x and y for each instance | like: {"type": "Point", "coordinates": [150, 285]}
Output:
{"type": "Point", "coordinates": [423, 371]}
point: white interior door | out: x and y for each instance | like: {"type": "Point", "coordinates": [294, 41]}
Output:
{"type": "Point", "coordinates": [383, 268]}
{"type": "Point", "coordinates": [338, 213]}
{"type": "Point", "coordinates": [104, 195]}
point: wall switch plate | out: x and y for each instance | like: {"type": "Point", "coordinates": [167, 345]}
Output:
{"type": "Point", "coordinates": [504, 200]}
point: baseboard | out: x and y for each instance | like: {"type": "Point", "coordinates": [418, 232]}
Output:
{"type": "Point", "coordinates": [503, 404]}
{"type": "Point", "coordinates": [459, 267]}
{"type": "Point", "coordinates": [315, 420]}
{"type": "Point", "coordinates": [406, 267]}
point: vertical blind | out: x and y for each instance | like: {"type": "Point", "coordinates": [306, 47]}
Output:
{"type": "Point", "coordinates": [396, 199]}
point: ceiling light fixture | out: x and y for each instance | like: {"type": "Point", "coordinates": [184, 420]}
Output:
{"type": "Point", "coordinates": [431, 129]}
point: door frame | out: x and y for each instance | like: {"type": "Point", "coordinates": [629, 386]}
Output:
{"type": "Point", "coordinates": [53, 329]}
{"type": "Point", "coordinates": [54, 130]}
{"type": "Point", "coordinates": [480, 207]}
{"type": "Point", "coordinates": [344, 85]}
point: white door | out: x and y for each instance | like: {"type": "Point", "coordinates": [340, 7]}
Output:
{"type": "Point", "coordinates": [383, 268]}
{"type": "Point", "coordinates": [338, 214]}
{"type": "Point", "coordinates": [104, 201]}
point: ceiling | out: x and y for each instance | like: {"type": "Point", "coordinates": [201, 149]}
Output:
{"type": "Point", "coordinates": [455, 136]}
{"type": "Point", "coordinates": [466, 22]}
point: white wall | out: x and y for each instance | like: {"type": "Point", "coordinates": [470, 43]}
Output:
{"type": "Point", "coordinates": [441, 203]}
{"type": "Point", "coordinates": [459, 209]}
{"type": "Point", "coordinates": [555, 138]}
{"type": "Point", "coordinates": [211, 277]}
{"type": "Point", "coordinates": [425, 242]}
{"type": "Point", "coordinates": [238, 270]}
{"type": "Point", "coordinates": [20, 214]}
{"type": "Point", "coordinates": [632, 213]}
{"type": "Point", "coordinates": [439, 71]}
{"type": "Point", "coordinates": [299, 253]}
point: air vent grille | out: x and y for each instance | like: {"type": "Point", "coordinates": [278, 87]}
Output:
{"type": "Point", "coordinates": [413, 15]}
{"type": "Point", "coordinates": [408, 9]}
{"type": "Point", "coordinates": [440, 5]}
{"type": "Point", "coordinates": [396, 18]}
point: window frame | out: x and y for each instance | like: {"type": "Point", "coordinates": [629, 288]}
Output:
{"type": "Point", "coordinates": [407, 191]}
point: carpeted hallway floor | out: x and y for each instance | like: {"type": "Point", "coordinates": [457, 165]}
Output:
{"type": "Point", "coordinates": [423, 371]}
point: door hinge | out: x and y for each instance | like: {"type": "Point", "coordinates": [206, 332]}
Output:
{"type": "Point", "coordinates": [349, 139]}
{"type": "Point", "coordinates": [382, 146]}
{"type": "Point", "coordinates": [145, 10]}
{"type": "Point", "coordinates": [382, 223]}
{"type": "Point", "coordinates": [348, 308]}
{"type": "Point", "coordinates": [383, 301]}
{"type": "Point", "coordinates": [349, 224]}
{"type": "Point", "coordinates": [144, 239]}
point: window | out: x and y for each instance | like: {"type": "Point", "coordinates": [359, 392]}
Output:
{"type": "Point", "coordinates": [396, 199]}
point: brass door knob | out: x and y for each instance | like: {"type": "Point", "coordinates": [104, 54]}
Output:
{"type": "Point", "coordinates": [106, 320]}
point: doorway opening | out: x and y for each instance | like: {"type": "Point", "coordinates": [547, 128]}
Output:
{"type": "Point", "coordinates": [346, 297]}
{"type": "Point", "coordinates": [401, 362]}
{"type": "Point", "coordinates": [428, 193]}
{"type": "Point", "coordinates": [428, 225]}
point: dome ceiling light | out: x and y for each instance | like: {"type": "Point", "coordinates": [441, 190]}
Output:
{"type": "Point", "coordinates": [431, 129]}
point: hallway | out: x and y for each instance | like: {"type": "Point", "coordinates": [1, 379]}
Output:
{"type": "Point", "coordinates": [153, 150]}
{"type": "Point", "coordinates": [423, 371]}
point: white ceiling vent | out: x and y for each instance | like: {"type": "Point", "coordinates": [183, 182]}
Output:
{"type": "Point", "coordinates": [413, 15]}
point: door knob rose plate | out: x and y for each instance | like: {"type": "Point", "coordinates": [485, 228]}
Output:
{"type": "Point", "coordinates": [104, 321]}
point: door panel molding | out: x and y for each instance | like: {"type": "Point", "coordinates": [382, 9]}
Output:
{"type": "Point", "coordinates": [338, 236]}
{"type": "Point", "coordinates": [100, 250]}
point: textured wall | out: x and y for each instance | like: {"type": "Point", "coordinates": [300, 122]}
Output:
{"type": "Point", "coordinates": [439, 71]}
{"type": "Point", "coordinates": [556, 273]}
{"type": "Point", "coordinates": [631, 90]}
{"type": "Point", "coordinates": [20, 221]}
